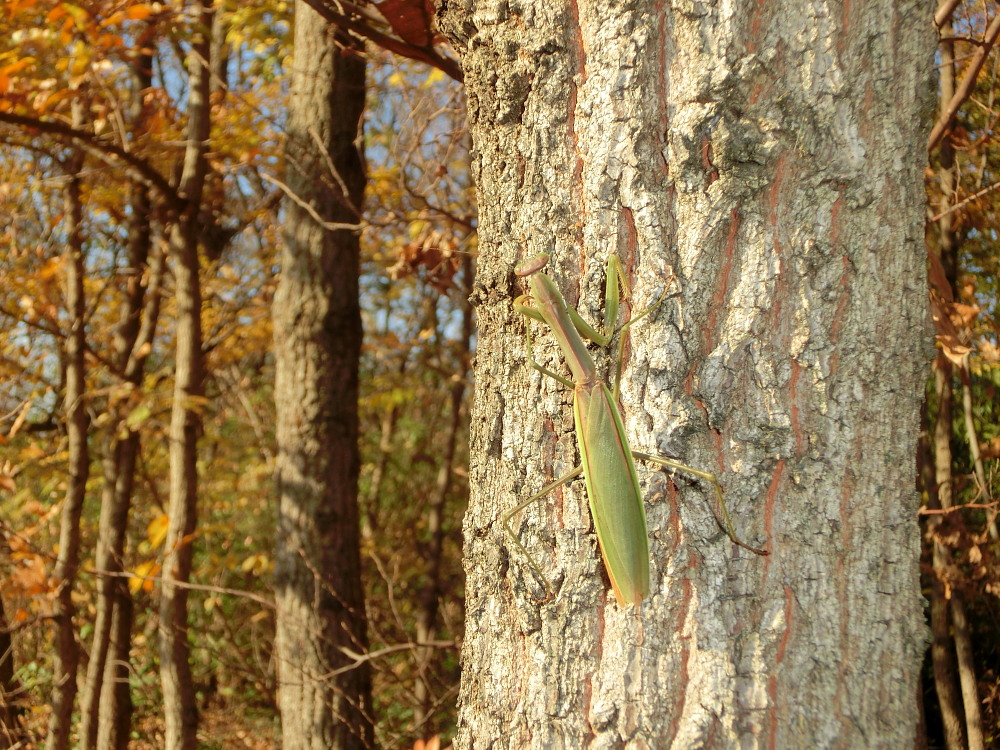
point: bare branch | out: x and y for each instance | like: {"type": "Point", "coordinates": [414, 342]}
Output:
{"type": "Point", "coordinates": [138, 169]}
{"type": "Point", "coordinates": [965, 88]}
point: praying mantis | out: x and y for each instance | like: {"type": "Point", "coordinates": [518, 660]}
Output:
{"type": "Point", "coordinates": [606, 460]}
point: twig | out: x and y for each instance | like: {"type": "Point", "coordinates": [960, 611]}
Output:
{"type": "Point", "coordinates": [263, 601]}
{"type": "Point", "coordinates": [968, 81]}
{"type": "Point", "coordinates": [969, 199]}
{"type": "Point", "coordinates": [330, 225]}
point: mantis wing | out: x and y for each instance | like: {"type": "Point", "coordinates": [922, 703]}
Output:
{"type": "Point", "coordinates": [613, 489]}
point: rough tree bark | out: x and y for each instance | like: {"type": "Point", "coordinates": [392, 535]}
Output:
{"type": "Point", "coordinates": [180, 708]}
{"type": "Point", "coordinates": [67, 648]}
{"type": "Point", "coordinates": [768, 158]}
{"type": "Point", "coordinates": [324, 697]}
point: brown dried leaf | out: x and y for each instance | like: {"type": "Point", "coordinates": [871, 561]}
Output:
{"type": "Point", "coordinates": [962, 315]}
{"type": "Point", "coordinates": [953, 349]}
{"type": "Point", "coordinates": [938, 278]}
{"type": "Point", "coordinates": [991, 449]}
{"type": "Point", "coordinates": [988, 351]}
{"type": "Point", "coordinates": [410, 19]}
{"type": "Point", "coordinates": [31, 578]}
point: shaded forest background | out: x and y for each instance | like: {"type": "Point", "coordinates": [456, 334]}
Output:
{"type": "Point", "coordinates": [95, 105]}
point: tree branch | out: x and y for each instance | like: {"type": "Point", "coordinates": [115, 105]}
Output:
{"type": "Point", "coordinates": [943, 13]}
{"type": "Point", "coordinates": [404, 49]}
{"type": "Point", "coordinates": [965, 88]}
{"type": "Point", "coordinates": [139, 170]}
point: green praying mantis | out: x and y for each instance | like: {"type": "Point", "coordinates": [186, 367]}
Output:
{"type": "Point", "coordinates": [606, 460]}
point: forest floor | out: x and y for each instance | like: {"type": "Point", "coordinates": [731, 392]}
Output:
{"type": "Point", "coordinates": [219, 728]}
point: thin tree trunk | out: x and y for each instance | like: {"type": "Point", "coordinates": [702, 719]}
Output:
{"type": "Point", "coordinates": [431, 596]}
{"type": "Point", "coordinates": [967, 673]}
{"type": "Point", "coordinates": [180, 708]}
{"type": "Point", "coordinates": [370, 522]}
{"type": "Point", "coordinates": [948, 619]}
{"type": "Point", "coordinates": [115, 714]}
{"type": "Point", "coordinates": [115, 704]}
{"type": "Point", "coordinates": [763, 163]}
{"type": "Point", "coordinates": [110, 522]}
{"type": "Point", "coordinates": [947, 608]}
{"type": "Point", "coordinates": [973, 439]}
{"type": "Point", "coordinates": [67, 652]}
{"type": "Point", "coordinates": [138, 317]}
{"type": "Point", "coordinates": [323, 695]}
{"type": "Point", "coordinates": [942, 655]}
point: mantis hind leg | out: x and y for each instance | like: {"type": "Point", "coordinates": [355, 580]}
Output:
{"type": "Point", "coordinates": [521, 506]}
{"type": "Point", "coordinates": [721, 510]}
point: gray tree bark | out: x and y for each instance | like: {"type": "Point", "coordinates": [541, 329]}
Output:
{"type": "Point", "coordinates": [324, 695]}
{"type": "Point", "coordinates": [768, 158]}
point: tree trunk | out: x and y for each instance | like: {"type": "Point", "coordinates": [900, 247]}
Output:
{"type": "Point", "coordinates": [764, 163]}
{"type": "Point", "coordinates": [107, 712]}
{"type": "Point", "coordinates": [67, 653]}
{"type": "Point", "coordinates": [950, 647]}
{"type": "Point", "coordinates": [430, 597]}
{"type": "Point", "coordinates": [115, 710]}
{"type": "Point", "coordinates": [180, 708]}
{"type": "Point", "coordinates": [135, 334]}
{"type": "Point", "coordinates": [324, 696]}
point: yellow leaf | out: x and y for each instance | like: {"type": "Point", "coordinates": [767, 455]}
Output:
{"type": "Point", "coordinates": [137, 416]}
{"type": "Point", "coordinates": [141, 572]}
{"type": "Point", "coordinates": [257, 564]}
{"type": "Point", "coordinates": [435, 76]}
{"type": "Point", "coordinates": [79, 15]}
{"type": "Point", "coordinates": [31, 452]}
{"type": "Point", "coordinates": [156, 532]}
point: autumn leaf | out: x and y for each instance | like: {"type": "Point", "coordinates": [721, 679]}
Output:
{"type": "Point", "coordinates": [141, 575]}
{"type": "Point", "coordinates": [139, 12]}
{"type": "Point", "coordinates": [156, 531]}
{"type": "Point", "coordinates": [410, 19]}
{"type": "Point", "coordinates": [31, 578]}
{"type": "Point", "coordinates": [137, 416]}
{"type": "Point", "coordinates": [988, 351]}
{"type": "Point", "coordinates": [257, 564]}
